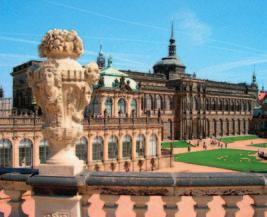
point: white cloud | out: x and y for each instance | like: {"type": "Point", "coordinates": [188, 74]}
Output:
{"type": "Point", "coordinates": [190, 24]}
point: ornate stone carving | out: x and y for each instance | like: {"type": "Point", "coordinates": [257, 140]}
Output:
{"type": "Point", "coordinates": [59, 44]}
{"type": "Point", "coordinates": [58, 214]}
{"type": "Point", "coordinates": [62, 88]}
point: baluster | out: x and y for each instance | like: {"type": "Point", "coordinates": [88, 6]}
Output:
{"type": "Point", "coordinates": [110, 205]}
{"type": "Point", "coordinates": [231, 205]}
{"type": "Point", "coordinates": [170, 206]}
{"type": "Point", "coordinates": [260, 205]}
{"type": "Point", "coordinates": [85, 205]}
{"type": "Point", "coordinates": [140, 206]}
{"type": "Point", "coordinates": [15, 202]}
{"type": "Point", "coordinates": [201, 206]}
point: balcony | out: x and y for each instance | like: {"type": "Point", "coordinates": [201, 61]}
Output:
{"type": "Point", "coordinates": [19, 122]}
{"type": "Point", "coordinates": [137, 194]}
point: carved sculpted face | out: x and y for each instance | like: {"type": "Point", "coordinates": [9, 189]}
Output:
{"type": "Point", "coordinates": [49, 77]}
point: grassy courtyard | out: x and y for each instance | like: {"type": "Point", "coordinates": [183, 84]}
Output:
{"type": "Point", "coordinates": [260, 145]}
{"type": "Point", "coordinates": [232, 159]}
{"type": "Point", "coordinates": [231, 139]}
{"type": "Point", "coordinates": [176, 144]}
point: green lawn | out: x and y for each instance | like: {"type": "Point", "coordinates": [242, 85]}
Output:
{"type": "Point", "coordinates": [176, 144]}
{"type": "Point", "coordinates": [231, 139]}
{"type": "Point", "coordinates": [232, 159]}
{"type": "Point", "coordinates": [261, 145]}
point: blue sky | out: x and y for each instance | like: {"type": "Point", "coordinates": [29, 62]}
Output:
{"type": "Point", "coordinates": [220, 40]}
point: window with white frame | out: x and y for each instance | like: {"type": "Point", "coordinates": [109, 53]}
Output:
{"type": "Point", "coordinates": [153, 145]}
{"type": "Point", "coordinates": [98, 144]}
{"type": "Point", "coordinates": [43, 151]}
{"type": "Point", "coordinates": [113, 147]}
{"type": "Point", "coordinates": [25, 153]}
{"type": "Point", "coordinates": [5, 153]}
{"type": "Point", "coordinates": [81, 149]}
{"type": "Point", "coordinates": [126, 146]}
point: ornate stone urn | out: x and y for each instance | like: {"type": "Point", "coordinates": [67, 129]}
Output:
{"type": "Point", "coordinates": [62, 88]}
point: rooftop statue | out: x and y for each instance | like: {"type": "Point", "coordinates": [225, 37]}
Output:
{"type": "Point", "coordinates": [62, 88]}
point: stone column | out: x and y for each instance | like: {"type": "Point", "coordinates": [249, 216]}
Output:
{"type": "Point", "coordinates": [120, 157]}
{"type": "Point", "coordinates": [35, 151]}
{"type": "Point", "coordinates": [147, 146]}
{"type": "Point", "coordinates": [102, 104]}
{"type": "Point", "coordinates": [110, 205]}
{"type": "Point", "coordinates": [159, 146]}
{"type": "Point", "coordinates": [85, 205]}
{"type": "Point", "coordinates": [170, 206]}
{"type": "Point", "coordinates": [15, 202]}
{"type": "Point", "coordinates": [115, 106]}
{"type": "Point", "coordinates": [230, 206]}
{"type": "Point", "coordinates": [140, 206]}
{"type": "Point", "coordinates": [139, 108]}
{"type": "Point", "coordinates": [15, 152]}
{"type": "Point", "coordinates": [128, 104]}
{"type": "Point", "coordinates": [105, 155]}
{"type": "Point", "coordinates": [134, 147]}
{"type": "Point", "coordinates": [260, 205]}
{"type": "Point", "coordinates": [201, 206]}
{"type": "Point", "coordinates": [90, 149]}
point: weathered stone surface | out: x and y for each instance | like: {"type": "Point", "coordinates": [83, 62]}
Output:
{"type": "Point", "coordinates": [62, 88]}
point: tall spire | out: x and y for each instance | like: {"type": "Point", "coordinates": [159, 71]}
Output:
{"type": "Point", "coordinates": [172, 45]}
{"type": "Point", "coordinates": [172, 31]}
{"type": "Point", "coordinates": [1, 92]}
{"type": "Point", "coordinates": [101, 62]}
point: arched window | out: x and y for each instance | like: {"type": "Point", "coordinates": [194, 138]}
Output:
{"type": "Point", "coordinates": [126, 147]}
{"type": "Point", "coordinates": [149, 102]}
{"type": "Point", "coordinates": [134, 106]}
{"type": "Point", "coordinates": [233, 122]}
{"type": "Point", "coordinates": [221, 127]}
{"type": "Point", "coordinates": [122, 106]}
{"type": "Point", "coordinates": [158, 102]}
{"type": "Point", "coordinates": [140, 145]}
{"type": "Point", "coordinates": [113, 147]}
{"type": "Point", "coordinates": [108, 106]}
{"type": "Point", "coordinates": [249, 107]}
{"type": "Point", "coordinates": [81, 149]}
{"type": "Point", "coordinates": [25, 153]}
{"type": "Point", "coordinates": [232, 106]}
{"type": "Point", "coordinates": [245, 126]}
{"type": "Point", "coordinates": [98, 146]}
{"type": "Point", "coordinates": [96, 105]}
{"type": "Point", "coordinates": [196, 103]}
{"type": "Point", "coordinates": [167, 103]}
{"type": "Point", "coordinates": [207, 127]}
{"type": "Point", "coordinates": [227, 127]}
{"type": "Point", "coordinates": [215, 127]}
{"type": "Point", "coordinates": [153, 145]}
{"type": "Point", "coordinates": [226, 105]}
{"type": "Point", "coordinates": [245, 106]}
{"type": "Point", "coordinates": [5, 153]}
{"type": "Point", "coordinates": [239, 126]}
{"type": "Point", "coordinates": [213, 104]}
{"type": "Point", "coordinates": [43, 151]}
{"type": "Point", "coordinates": [207, 105]}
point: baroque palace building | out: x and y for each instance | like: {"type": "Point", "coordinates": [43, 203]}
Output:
{"type": "Point", "coordinates": [130, 114]}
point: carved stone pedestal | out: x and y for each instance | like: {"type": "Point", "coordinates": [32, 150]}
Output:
{"type": "Point", "coordinates": [60, 170]}
{"type": "Point", "coordinates": [48, 206]}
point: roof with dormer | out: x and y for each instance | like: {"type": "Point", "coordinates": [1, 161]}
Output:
{"type": "Point", "coordinates": [110, 74]}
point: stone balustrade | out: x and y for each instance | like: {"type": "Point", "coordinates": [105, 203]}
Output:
{"type": "Point", "coordinates": [30, 122]}
{"type": "Point", "coordinates": [70, 196]}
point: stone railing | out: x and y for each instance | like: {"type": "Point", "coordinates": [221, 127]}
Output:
{"type": "Point", "coordinates": [141, 193]}
{"type": "Point", "coordinates": [17, 122]}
